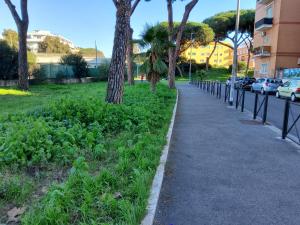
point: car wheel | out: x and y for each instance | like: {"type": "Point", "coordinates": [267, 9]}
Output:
{"type": "Point", "coordinates": [293, 97]}
{"type": "Point", "coordinates": [262, 91]}
{"type": "Point", "coordinates": [277, 94]}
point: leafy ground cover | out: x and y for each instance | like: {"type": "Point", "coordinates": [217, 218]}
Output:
{"type": "Point", "coordinates": [77, 160]}
{"type": "Point", "coordinates": [13, 101]}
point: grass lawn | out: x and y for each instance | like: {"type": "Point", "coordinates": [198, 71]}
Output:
{"type": "Point", "coordinates": [12, 100]}
{"type": "Point", "coordinates": [217, 74]}
{"type": "Point", "coordinates": [67, 157]}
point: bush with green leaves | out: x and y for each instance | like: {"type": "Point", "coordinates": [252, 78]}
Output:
{"type": "Point", "coordinates": [78, 63]}
{"type": "Point", "coordinates": [241, 67]}
{"type": "Point", "coordinates": [8, 62]}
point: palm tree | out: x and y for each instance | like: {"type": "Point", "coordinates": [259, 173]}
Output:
{"type": "Point", "coordinates": [155, 40]}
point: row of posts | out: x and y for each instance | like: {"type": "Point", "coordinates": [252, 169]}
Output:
{"type": "Point", "coordinates": [215, 88]}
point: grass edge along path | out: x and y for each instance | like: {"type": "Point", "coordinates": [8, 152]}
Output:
{"type": "Point", "coordinates": [117, 191]}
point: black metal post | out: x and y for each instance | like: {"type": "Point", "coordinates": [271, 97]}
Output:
{"type": "Point", "coordinates": [237, 98]}
{"type": "Point", "coordinates": [266, 108]}
{"type": "Point", "coordinates": [255, 106]}
{"type": "Point", "coordinates": [220, 91]}
{"type": "Point", "coordinates": [225, 97]}
{"type": "Point", "coordinates": [286, 119]}
{"type": "Point", "coordinates": [243, 101]}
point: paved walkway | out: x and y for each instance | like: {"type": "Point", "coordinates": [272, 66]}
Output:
{"type": "Point", "coordinates": [223, 169]}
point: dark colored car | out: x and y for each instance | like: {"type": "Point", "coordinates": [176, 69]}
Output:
{"type": "Point", "coordinates": [246, 83]}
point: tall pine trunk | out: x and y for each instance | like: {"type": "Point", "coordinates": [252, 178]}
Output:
{"type": "Point", "coordinates": [115, 86]}
{"type": "Point", "coordinates": [129, 58]}
{"type": "Point", "coordinates": [211, 54]}
{"type": "Point", "coordinates": [171, 52]}
{"type": "Point", "coordinates": [174, 52]}
{"type": "Point", "coordinates": [22, 60]}
{"type": "Point", "coordinates": [22, 23]}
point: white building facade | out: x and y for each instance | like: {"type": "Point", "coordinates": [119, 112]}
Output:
{"type": "Point", "coordinates": [35, 37]}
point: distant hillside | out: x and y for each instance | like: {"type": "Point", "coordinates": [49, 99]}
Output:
{"type": "Point", "coordinates": [91, 52]}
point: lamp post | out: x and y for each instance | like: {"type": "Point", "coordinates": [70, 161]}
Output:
{"type": "Point", "coordinates": [191, 51]}
{"type": "Point", "coordinates": [235, 58]}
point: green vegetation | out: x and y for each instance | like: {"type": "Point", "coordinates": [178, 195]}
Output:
{"type": "Point", "coordinates": [78, 63]}
{"type": "Point", "coordinates": [96, 161]}
{"type": "Point", "coordinates": [11, 37]}
{"type": "Point", "coordinates": [53, 45]}
{"type": "Point", "coordinates": [14, 101]}
{"type": "Point", "coordinates": [91, 52]}
{"type": "Point", "coordinates": [8, 61]}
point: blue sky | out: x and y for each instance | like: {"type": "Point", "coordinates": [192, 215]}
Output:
{"type": "Point", "coordinates": [84, 21]}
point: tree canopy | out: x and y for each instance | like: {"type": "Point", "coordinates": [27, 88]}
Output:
{"type": "Point", "coordinates": [53, 45]}
{"type": "Point", "coordinates": [223, 24]}
{"type": "Point", "coordinates": [11, 37]}
{"type": "Point", "coordinates": [91, 52]}
{"type": "Point", "coordinates": [202, 34]}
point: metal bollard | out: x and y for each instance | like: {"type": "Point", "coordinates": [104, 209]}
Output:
{"type": "Point", "coordinates": [286, 119]}
{"type": "Point", "coordinates": [255, 106]}
{"type": "Point", "coordinates": [266, 108]}
{"type": "Point", "coordinates": [237, 98]}
{"type": "Point", "coordinates": [243, 101]}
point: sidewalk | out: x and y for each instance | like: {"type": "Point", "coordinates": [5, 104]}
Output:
{"type": "Point", "coordinates": [223, 169]}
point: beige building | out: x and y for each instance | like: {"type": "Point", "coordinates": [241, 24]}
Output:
{"type": "Point", "coordinates": [276, 37]}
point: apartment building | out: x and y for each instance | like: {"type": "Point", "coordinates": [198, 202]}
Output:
{"type": "Point", "coordinates": [222, 57]}
{"type": "Point", "coordinates": [276, 37]}
{"type": "Point", "coordinates": [35, 37]}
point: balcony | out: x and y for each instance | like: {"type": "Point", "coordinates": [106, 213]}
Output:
{"type": "Point", "coordinates": [264, 24]}
{"type": "Point", "coordinates": [263, 51]}
{"type": "Point", "coordinates": [264, 2]}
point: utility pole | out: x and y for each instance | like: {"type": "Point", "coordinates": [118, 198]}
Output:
{"type": "Point", "coordinates": [235, 58]}
{"type": "Point", "coordinates": [191, 51]}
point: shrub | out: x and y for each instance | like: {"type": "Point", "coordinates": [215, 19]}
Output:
{"type": "Point", "coordinates": [103, 70]}
{"type": "Point", "coordinates": [241, 67]}
{"type": "Point", "coordinates": [78, 64]}
{"type": "Point", "coordinates": [8, 62]}
{"type": "Point", "coordinates": [39, 74]}
{"type": "Point", "coordinates": [185, 66]}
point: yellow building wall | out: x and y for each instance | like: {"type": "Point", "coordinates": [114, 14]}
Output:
{"type": "Point", "coordinates": [222, 57]}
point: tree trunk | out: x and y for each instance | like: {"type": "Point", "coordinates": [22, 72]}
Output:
{"type": "Point", "coordinates": [22, 60]}
{"type": "Point", "coordinates": [129, 58]}
{"type": "Point", "coordinates": [248, 62]}
{"type": "Point", "coordinates": [171, 71]}
{"type": "Point", "coordinates": [209, 57]}
{"type": "Point", "coordinates": [174, 53]}
{"type": "Point", "coordinates": [180, 71]}
{"type": "Point", "coordinates": [22, 24]}
{"type": "Point", "coordinates": [153, 85]}
{"type": "Point", "coordinates": [115, 86]}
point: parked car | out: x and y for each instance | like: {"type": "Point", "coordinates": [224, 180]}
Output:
{"type": "Point", "coordinates": [264, 85]}
{"type": "Point", "coordinates": [237, 80]}
{"type": "Point", "coordinates": [290, 89]}
{"type": "Point", "coordinates": [245, 83]}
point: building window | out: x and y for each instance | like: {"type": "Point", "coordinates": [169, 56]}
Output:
{"type": "Point", "coordinates": [264, 68]}
{"type": "Point", "coordinates": [202, 61]}
{"type": "Point", "coordinates": [269, 12]}
{"type": "Point", "coordinates": [202, 54]}
{"type": "Point", "coordinates": [215, 61]}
